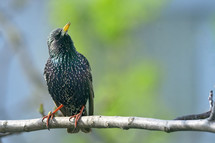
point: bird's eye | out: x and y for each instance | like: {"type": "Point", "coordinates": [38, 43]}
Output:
{"type": "Point", "coordinates": [58, 36]}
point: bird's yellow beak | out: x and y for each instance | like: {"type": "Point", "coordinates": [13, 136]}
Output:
{"type": "Point", "coordinates": [66, 27]}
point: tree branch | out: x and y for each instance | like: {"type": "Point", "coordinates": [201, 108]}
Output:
{"type": "Point", "coordinates": [14, 126]}
{"type": "Point", "coordinates": [186, 123]}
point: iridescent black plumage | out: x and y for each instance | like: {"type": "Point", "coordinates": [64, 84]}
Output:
{"type": "Point", "coordinates": [68, 75]}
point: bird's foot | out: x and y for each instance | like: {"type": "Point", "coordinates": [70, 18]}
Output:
{"type": "Point", "coordinates": [51, 115]}
{"type": "Point", "coordinates": [77, 116]}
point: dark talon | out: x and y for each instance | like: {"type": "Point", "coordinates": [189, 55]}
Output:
{"type": "Point", "coordinates": [50, 114]}
{"type": "Point", "coordinates": [77, 116]}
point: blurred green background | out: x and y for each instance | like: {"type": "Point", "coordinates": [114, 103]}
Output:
{"type": "Point", "coordinates": [149, 58]}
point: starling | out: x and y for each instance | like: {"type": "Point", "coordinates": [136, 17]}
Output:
{"type": "Point", "coordinates": [69, 79]}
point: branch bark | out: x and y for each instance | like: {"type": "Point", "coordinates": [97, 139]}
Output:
{"type": "Point", "coordinates": [14, 126]}
{"type": "Point", "coordinates": [204, 122]}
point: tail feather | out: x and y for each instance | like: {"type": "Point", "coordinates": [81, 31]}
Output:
{"type": "Point", "coordinates": [73, 130]}
{"type": "Point", "coordinates": [76, 130]}
{"type": "Point", "coordinates": [86, 130]}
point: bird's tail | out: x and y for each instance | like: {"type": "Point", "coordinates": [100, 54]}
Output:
{"type": "Point", "coordinates": [76, 130]}
{"type": "Point", "coordinates": [73, 130]}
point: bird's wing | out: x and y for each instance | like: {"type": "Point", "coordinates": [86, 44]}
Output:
{"type": "Point", "coordinates": [91, 98]}
{"type": "Point", "coordinates": [90, 85]}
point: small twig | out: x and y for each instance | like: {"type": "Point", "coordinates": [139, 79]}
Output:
{"type": "Point", "coordinates": [212, 107]}
{"type": "Point", "coordinates": [194, 116]}
{"type": "Point", "coordinates": [210, 99]}
{"type": "Point", "coordinates": [41, 110]}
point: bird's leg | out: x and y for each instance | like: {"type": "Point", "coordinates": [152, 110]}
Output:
{"type": "Point", "coordinates": [51, 115]}
{"type": "Point", "coordinates": [78, 116]}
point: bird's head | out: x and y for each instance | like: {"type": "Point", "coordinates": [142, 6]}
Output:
{"type": "Point", "coordinates": [59, 42]}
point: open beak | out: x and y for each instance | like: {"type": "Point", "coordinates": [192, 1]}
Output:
{"type": "Point", "coordinates": [65, 28]}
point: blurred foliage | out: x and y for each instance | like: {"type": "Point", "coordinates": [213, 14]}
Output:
{"type": "Point", "coordinates": [103, 30]}
{"type": "Point", "coordinates": [128, 89]}
{"type": "Point", "coordinates": [103, 20]}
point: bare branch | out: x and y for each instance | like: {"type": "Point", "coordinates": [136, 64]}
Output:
{"type": "Point", "coordinates": [11, 126]}
{"type": "Point", "coordinates": [210, 99]}
{"type": "Point", "coordinates": [212, 107]}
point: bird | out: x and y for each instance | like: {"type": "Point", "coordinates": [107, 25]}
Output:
{"type": "Point", "coordinates": [69, 79]}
